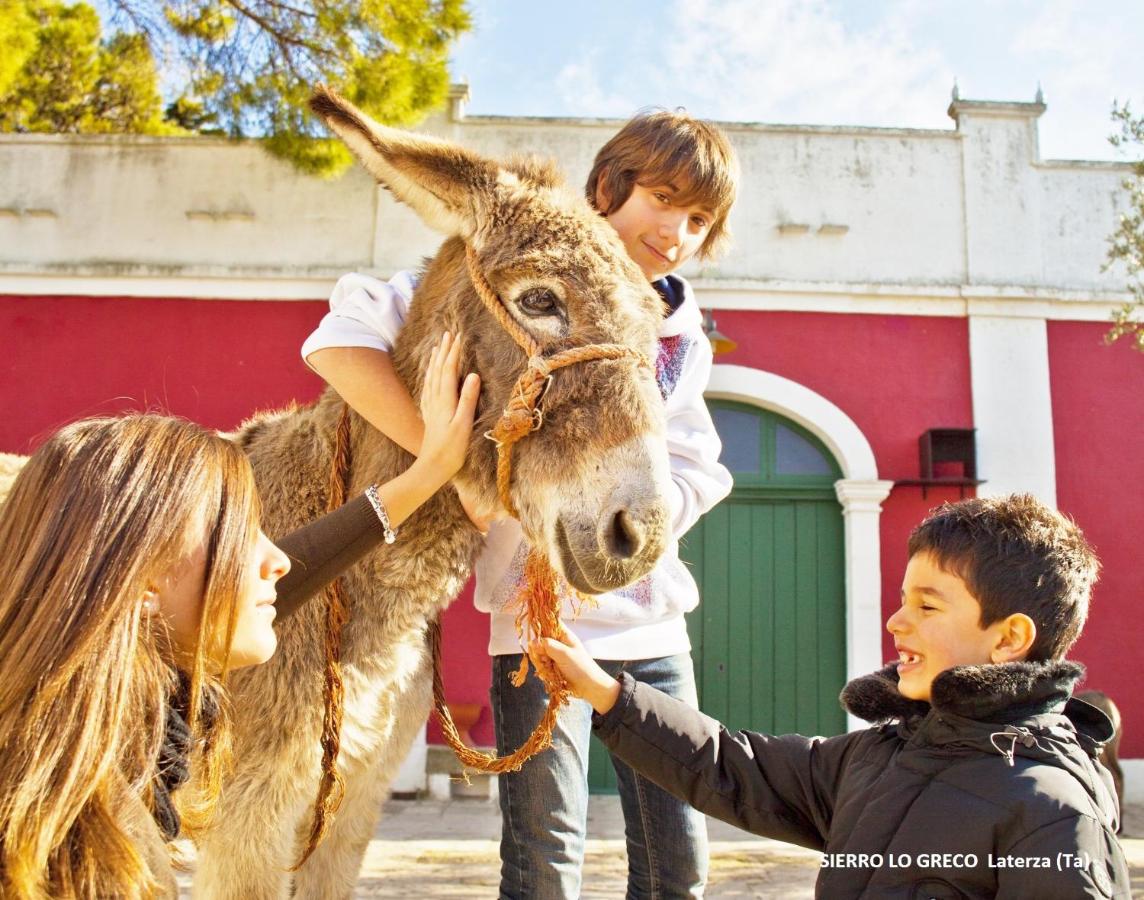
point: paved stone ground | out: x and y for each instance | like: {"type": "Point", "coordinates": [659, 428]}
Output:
{"type": "Point", "coordinates": [409, 855]}
{"type": "Point", "coordinates": [448, 849]}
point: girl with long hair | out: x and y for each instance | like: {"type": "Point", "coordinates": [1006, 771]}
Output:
{"type": "Point", "coordinates": [133, 576]}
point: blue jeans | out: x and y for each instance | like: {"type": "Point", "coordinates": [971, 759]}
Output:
{"type": "Point", "coordinates": [544, 806]}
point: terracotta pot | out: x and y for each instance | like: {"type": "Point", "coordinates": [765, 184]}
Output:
{"type": "Point", "coordinates": [465, 716]}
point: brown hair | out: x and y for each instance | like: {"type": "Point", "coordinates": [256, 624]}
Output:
{"type": "Point", "coordinates": [1016, 555]}
{"type": "Point", "coordinates": [658, 147]}
{"type": "Point", "coordinates": [96, 517]}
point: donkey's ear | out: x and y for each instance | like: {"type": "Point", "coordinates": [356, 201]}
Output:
{"type": "Point", "coordinates": [442, 182]}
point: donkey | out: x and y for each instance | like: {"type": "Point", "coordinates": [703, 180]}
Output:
{"type": "Point", "coordinates": [10, 465]}
{"type": "Point", "coordinates": [1110, 754]}
{"type": "Point", "coordinates": [590, 488]}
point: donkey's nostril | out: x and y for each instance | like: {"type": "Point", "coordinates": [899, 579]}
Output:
{"type": "Point", "coordinates": [625, 538]}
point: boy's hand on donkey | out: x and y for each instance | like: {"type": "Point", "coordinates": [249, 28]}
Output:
{"type": "Point", "coordinates": [447, 411]}
{"type": "Point", "coordinates": [481, 516]}
{"type": "Point", "coordinates": [585, 678]}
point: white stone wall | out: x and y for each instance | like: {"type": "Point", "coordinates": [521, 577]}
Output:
{"type": "Point", "coordinates": [1079, 206]}
{"type": "Point", "coordinates": [138, 205]}
{"type": "Point", "coordinates": [847, 205]}
{"type": "Point", "coordinates": [856, 212]}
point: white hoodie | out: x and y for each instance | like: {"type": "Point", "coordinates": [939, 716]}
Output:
{"type": "Point", "coordinates": [645, 619]}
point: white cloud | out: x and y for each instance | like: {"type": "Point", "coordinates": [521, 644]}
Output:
{"type": "Point", "coordinates": [889, 63]}
{"type": "Point", "coordinates": [1084, 60]}
{"type": "Point", "coordinates": [581, 94]}
{"type": "Point", "coordinates": [798, 61]}
{"type": "Point", "coordinates": [894, 63]}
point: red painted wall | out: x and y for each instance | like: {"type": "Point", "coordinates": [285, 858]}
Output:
{"type": "Point", "coordinates": [895, 376]}
{"type": "Point", "coordinates": [215, 362]}
{"type": "Point", "coordinates": [467, 668]}
{"type": "Point", "coordinates": [1098, 423]}
{"type": "Point", "coordinates": [211, 361]}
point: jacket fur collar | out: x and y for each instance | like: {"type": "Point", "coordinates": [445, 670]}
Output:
{"type": "Point", "coordinates": [987, 693]}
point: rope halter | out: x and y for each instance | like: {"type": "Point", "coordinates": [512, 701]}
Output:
{"type": "Point", "coordinates": [540, 612]}
{"type": "Point", "coordinates": [523, 414]}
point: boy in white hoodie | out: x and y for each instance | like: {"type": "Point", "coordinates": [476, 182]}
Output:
{"type": "Point", "coordinates": [666, 183]}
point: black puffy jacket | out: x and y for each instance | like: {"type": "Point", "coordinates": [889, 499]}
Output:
{"type": "Point", "coordinates": [993, 791]}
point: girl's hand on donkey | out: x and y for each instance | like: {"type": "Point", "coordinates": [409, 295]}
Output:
{"type": "Point", "coordinates": [446, 411]}
{"type": "Point", "coordinates": [584, 676]}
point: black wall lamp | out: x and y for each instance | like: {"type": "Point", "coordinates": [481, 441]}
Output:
{"type": "Point", "coordinates": [720, 343]}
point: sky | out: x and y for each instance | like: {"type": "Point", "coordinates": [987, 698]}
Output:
{"type": "Point", "coordinates": [886, 63]}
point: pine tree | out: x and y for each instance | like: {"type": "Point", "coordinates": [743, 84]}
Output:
{"type": "Point", "coordinates": [244, 68]}
{"type": "Point", "coordinates": [17, 40]}
{"type": "Point", "coordinates": [252, 64]}
{"type": "Point", "coordinates": [65, 78]}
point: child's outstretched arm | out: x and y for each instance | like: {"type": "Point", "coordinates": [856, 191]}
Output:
{"type": "Point", "coordinates": [323, 549]}
{"type": "Point", "coordinates": [781, 787]}
{"type": "Point", "coordinates": [447, 417]}
{"type": "Point", "coordinates": [350, 350]}
{"type": "Point", "coordinates": [366, 380]}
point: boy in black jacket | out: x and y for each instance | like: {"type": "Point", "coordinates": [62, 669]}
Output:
{"type": "Point", "coordinates": [979, 778]}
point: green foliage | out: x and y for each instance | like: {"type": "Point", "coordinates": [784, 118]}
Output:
{"type": "Point", "coordinates": [17, 40]}
{"type": "Point", "coordinates": [189, 114]}
{"type": "Point", "coordinates": [70, 80]}
{"type": "Point", "coordinates": [1126, 243]}
{"type": "Point", "coordinates": [251, 65]}
{"type": "Point", "coordinates": [243, 68]}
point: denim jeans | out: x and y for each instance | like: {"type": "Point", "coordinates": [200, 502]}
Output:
{"type": "Point", "coordinates": [544, 806]}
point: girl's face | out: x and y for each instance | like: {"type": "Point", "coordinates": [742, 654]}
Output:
{"type": "Point", "coordinates": [180, 601]}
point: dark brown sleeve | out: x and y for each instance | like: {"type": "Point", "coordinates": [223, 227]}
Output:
{"type": "Point", "coordinates": [321, 551]}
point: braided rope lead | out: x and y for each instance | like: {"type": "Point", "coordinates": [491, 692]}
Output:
{"type": "Point", "coordinates": [331, 788]}
{"type": "Point", "coordinates": [541, 599]}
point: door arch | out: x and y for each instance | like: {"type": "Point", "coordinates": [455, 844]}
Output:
{"type": "Point", "coordinates": [769, 636]}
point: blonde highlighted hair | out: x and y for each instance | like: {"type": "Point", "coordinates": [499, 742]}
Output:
{"type": "Point", "coordinates": [659, 147]}
{"type": "Point", "coordinates": [98, 515]}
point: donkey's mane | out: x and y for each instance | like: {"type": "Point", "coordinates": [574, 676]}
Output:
{"type": "Point", "coordinates": [539, 170]}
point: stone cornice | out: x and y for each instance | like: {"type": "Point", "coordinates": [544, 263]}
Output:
{"type": "Point", "coordinates": [955, 301]}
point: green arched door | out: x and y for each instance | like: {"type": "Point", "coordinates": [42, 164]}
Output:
{"type": "Point", "coordinates": [769, 635]}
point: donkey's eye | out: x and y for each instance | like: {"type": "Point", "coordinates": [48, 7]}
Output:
{"type": "Point", "coordinates": [539, 302]}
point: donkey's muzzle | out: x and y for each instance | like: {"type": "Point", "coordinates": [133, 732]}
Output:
{"type": "Point", "coordinates": [623, 535]}
{"type": "Point", "coordinates": [627, 539]}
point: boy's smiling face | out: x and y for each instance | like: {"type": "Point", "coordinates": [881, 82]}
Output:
{"type": "Point", "coordinates": [660, 233]}
{"type": "Point", "coordinates": [939, 626]}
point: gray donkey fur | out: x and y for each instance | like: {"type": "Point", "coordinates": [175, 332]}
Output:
{"type": "Point", "coordinates": [590, 487]}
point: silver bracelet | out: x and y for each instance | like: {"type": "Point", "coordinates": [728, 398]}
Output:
{"type": "Point", "coordinates": [382, 516]}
